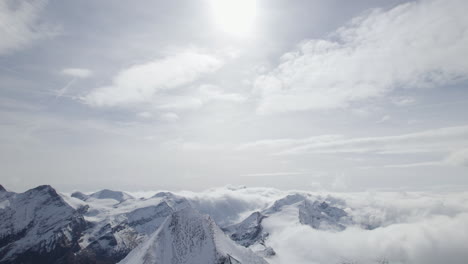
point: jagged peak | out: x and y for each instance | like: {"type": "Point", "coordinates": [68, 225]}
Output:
{"type": "Point", "coordinates": [2, 189]}
{"type": "Point", "coordinates": [45, 189]}
{"type": "Point", "coordinates": [187, 236]}
{"type": "Point", "coordinates": [285, 201]}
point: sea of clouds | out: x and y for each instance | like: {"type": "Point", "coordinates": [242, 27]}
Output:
{"type": "Point", "coordinates": [388, 227]}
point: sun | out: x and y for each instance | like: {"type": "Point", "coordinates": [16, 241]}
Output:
{"type": "Point", "coordinates": [234, 16]}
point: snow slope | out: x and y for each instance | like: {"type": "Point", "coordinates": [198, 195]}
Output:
{"type": "Point", "coordinates": [38, 226]}
{"type": "Point", "coordinates": [188, 237]}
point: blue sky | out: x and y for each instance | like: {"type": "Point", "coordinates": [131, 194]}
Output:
{"type": "Point", "coordinates": [333, 95]}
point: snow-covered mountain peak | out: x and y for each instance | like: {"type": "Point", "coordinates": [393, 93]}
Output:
{"type": "Point", "coordinates": [2, 189]}
{"type": "Point", "coordinates": [164, 195]}
{"type": "Point", "coordinates": [287, 200]}
{"type": "Point", "coordinates": [188, 237]}
{"type": "Point", "coordinates": [321, 215]}
{"type": "Point", "coordinates": [38, 224]}
{"type": "Point", "coordinates": [110, 194]}
{"type": "Point", "coordinates": [175, 201]}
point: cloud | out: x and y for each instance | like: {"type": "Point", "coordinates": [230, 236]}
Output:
{"type": "Point", "coordinates": [77, 72]}
{"type": "Point", "coordinates": [418, 228]}
{"type": "Point", "coordinates": [384, 119]}
{"type": "Point", "coordinates": [403, 101]}
{"type": "Point", "coordinates": [144, 114]}
{"type": "Point", "coordinates": [20, 24]}
{"type": "Point", "coordinates": [141, 83]}
{"type": "Point", "coordinates": [434, 140]}
{"type": "Point", "coordinates": [459, 158]}
{"type": "Point", "coordinates": [414, 45]}
{"type": "Point", "coordinates": [214, 93]}
{"type": "Point", "coordinates": [406, 227]}
{"type": "Point", "coordinates": [169, 117]}
{"type": "Point", "coordinates": [450, 143]}
{"type": "Point", "coordinates": [229, 205]}
{"type": "Point", "coordinates": [436, 239]}
{"type": "Point", "coordinates": [196, 97]}
{"type": "Point", "coordinates": [287, 142]}
{"type": "Point", "coordinates": [270, 174]}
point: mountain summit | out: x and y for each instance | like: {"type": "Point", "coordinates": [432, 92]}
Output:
{"type": "Point", "coordinates": [188, 237]}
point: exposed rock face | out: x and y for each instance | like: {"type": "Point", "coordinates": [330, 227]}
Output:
{"type": "Point", "coordinates": [316, 214]}
{"type": "Point", "coordinates": [320, 215]}
{"type": "Point", "coordinates": [38, 226]}
{"type": "Point", "coordinates": [114, 236]}
{"type": "Point", "coordinates": [249, 231]}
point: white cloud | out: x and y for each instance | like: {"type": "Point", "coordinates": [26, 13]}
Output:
{"type": "Point", "coordinates": [448, 142]}
{"type": "Point", "coordinates": [287, 142]}
{"type": "Point", "coordinates": [143, 82]}
{"type": "Point", "coordinates": [144, 114]}
{"type": "Point", "coordinates": [413, 45]}
{"type": "Point", "coordinates": [459, 158]}
{"type": "Point", "coordinates": [417, 228]}
{"type": "Point", "coordinates": [431, 240]}
{"type": "Point", "coordinates": [436, 140]}
{"type": "Point", "coordinates": [409, 227]}
{"type": "Point", "coordinates": [214, 93]}
{"type": "Point", "coordinates": [164, 116]}
{"type": "Point", "coordinates": [269, 174]}
{"type": "Point", "coordinates": [169, 117]}
{"type": "Point", "coordinates": [77, 72]}
{"type": "Point", "coordinates": [194, 98]}
{"type": "Point", "coordinates": [403, 101]}
{"type": "Point", "coordinates": [384, 118]}
{"type": "Point", "coordinates": [20, 24]}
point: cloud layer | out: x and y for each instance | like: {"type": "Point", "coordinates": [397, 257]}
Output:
{"type": "Point", "coordinates": [407, 227]}
{"type": "Point", "coordinates": [413, 45]}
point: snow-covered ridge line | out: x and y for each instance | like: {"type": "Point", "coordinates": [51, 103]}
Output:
{"type": "Point", "coordinates": [43, 226]}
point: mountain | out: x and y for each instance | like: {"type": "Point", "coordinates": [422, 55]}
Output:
{"type": "Point", "coordinates": [117, 227]}
{"type": "Point", "coordinates": [321, 215]}
{"type": "Point", "coordinates": [107, 227]}
{"type": "Point", "coordinates": [79, 195]}
{"type": "Point", "coordinates": [189, 237]}
{"type": "Point", "coordinates": [103, 194]}
{"type": "Point", "coordinates": [314, 213]}
{"type": "Point", "coordinates": [38, 226]}
{"type": "Point", "coordinates": [249, 231]}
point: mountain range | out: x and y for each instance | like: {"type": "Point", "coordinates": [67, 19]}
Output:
{"type": "Point", "coordinates": [42, 225]}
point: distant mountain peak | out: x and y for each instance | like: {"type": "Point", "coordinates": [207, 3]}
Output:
{"type": "Point", "coordinates": [110, 194]}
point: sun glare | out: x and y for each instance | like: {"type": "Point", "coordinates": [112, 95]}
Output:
{"type": "Point", "coordinates": [234, 16]}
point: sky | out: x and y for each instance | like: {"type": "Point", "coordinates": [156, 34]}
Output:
{"type": "Point", "coordinates": [192, 94]}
